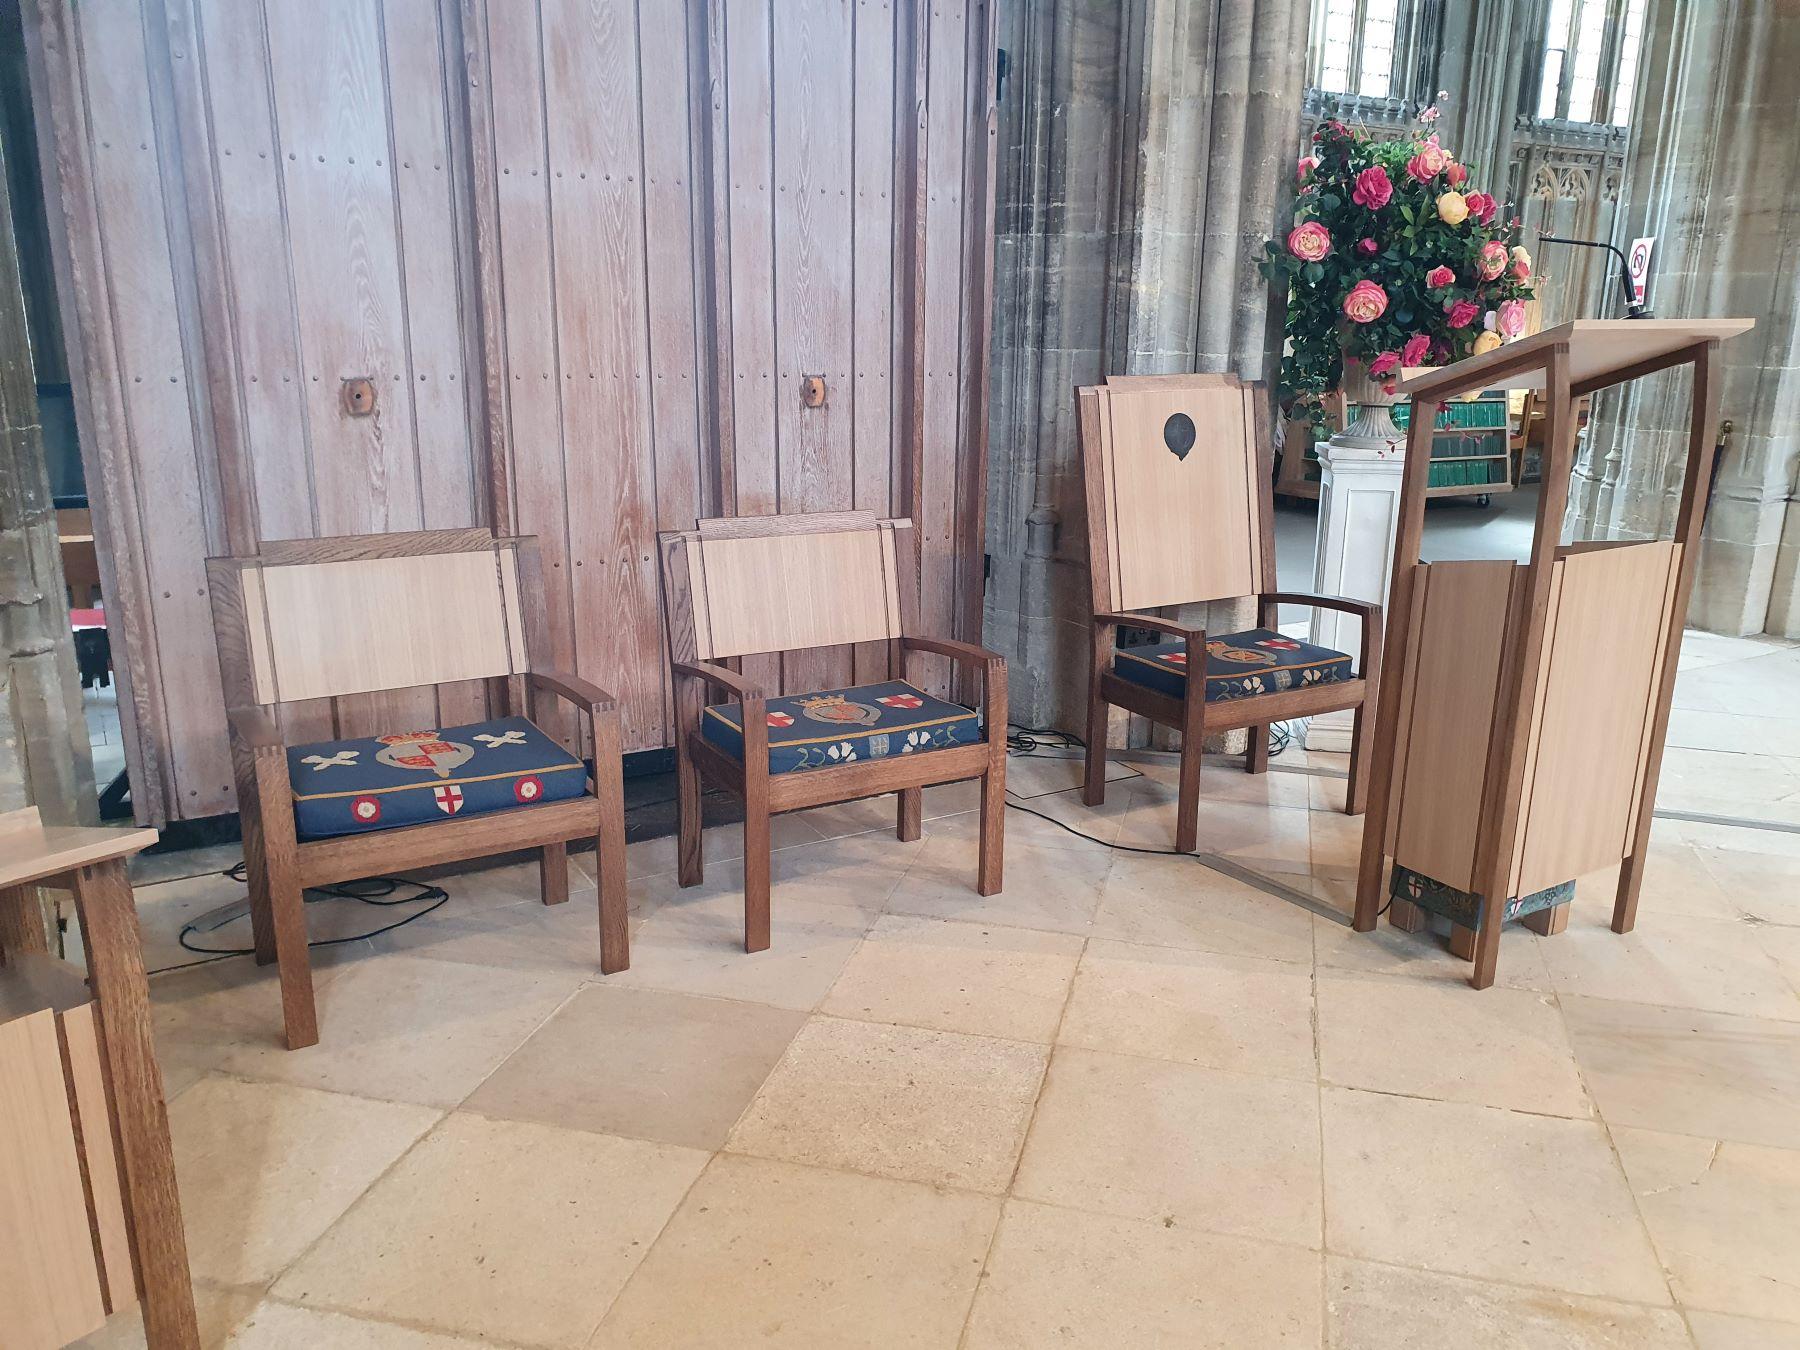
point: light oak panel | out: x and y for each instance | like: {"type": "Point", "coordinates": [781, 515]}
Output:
{"type": "Point", "coordinates": [785, 591]}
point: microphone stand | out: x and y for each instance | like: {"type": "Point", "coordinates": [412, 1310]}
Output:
{"type": "Point", "coordinates": [1633, 310]}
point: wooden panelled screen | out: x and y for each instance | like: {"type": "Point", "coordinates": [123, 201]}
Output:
{"type": "Point", "coordinates": [568, 268]}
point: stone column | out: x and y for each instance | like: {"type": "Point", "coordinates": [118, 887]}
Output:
{"type": "Point", "coordinates": [1148, 151]}
{"type": "Point", "coordinates": [1713, 171]}
{"type": "Point", "coordinates": [44, 755]}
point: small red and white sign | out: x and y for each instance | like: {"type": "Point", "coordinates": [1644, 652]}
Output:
{"type": "Point", "coordinates": [1280, 644]}
{"type": "Point", "coordinates": [902, 701]}
{"type": "Point", "coordinates": [367, 810]}
{"type": "Point", "coordinates": [1637, 266]}
{"type": "Point", "coordinates": [528, 789]}
{"type": "Point", "coordinates": [779, 719]}
{"type": "Point", "coordinates": [1176, 658]}
{"type": "Point", "coordinates": [449, 799]}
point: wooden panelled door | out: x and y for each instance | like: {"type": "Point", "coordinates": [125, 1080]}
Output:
{"type": "Point", "coordinates": [583, 269]}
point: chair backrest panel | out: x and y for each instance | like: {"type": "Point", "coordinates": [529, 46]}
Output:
{"type": "Point", "coordinates": [772, 584]}
{"type": "Point", "coordinates": [325, 628]}
{"type": "Point", "coordinates": [1180, 481]}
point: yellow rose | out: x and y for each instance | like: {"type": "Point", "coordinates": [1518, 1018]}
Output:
{"type": "Point", "coordinates": [1486, 342]}
{"type": "Point", "coordinates": [1453, 208]}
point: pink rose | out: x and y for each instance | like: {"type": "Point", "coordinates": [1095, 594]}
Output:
{"type": "Point", "coordinates": [1372, 188]}
{"type": "Point", "coordinates": [1511, 317]}
{"type": "Point", "coordinates": [1383, 363]}
{"type": "Point", "coordinates": [1439, 277]}
{"type": "Point", "coordinates": [1366, 302]}
{"type": "Point", "coordinates": [1309, 241]}
{"type": "Point", "coordinates": [1521, 262]}
{"type": "Point", "coordinates": [1428, 163]}
{"type": "Point", "coordinates": [1483, 207]}
{"type": "Point", "coordinates": [1458, 174]}
{"type": "Point", "coordinates": [1307, 164]}
{"type": "Point", "coordinates": [1368, 246]}
{"type": "Point", "coordinates": [1417, 348]}
{"type": "Point", "coordinates": [1491, 259]}
{"type": "Point", "coordinates": [1463, 313]}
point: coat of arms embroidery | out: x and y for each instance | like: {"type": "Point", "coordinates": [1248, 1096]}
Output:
{"type": "Point", "coordinates": [422, 750]}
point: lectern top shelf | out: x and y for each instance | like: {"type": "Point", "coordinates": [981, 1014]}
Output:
{"type": "Point", "coordinates": [1601, 352]}
{"type": "Point", "coordinates": [31, 851]}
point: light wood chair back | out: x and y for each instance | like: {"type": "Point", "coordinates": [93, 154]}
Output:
{"type": "Point", "coordinates": [1178, 492]}
{"type": "Point", "coordinates": [748, 585]}
{"type": "Point", "coordinates": [323, 618]}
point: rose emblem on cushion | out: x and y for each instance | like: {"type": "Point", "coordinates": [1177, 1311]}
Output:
{"type": "Point", "coordinates": [1309, 241]}
{"type": "Point", "coordinates": [1417, 348]}
{"type": "Point", "coordinates": [1482, 206]}
{"type": "Point", "coordinates": [1366, 302]}
{"type": "Point", "coordinates": [1463, 313]}
{"type": "Point", "coordinates": [1439, 277]}
{"type": "Point", "coordinates": [1511, 317]}
{"type": "Point", "coordinates": [1453, 208]}
{"type": "Point", "coordinates": [1383, 363]}
{"type": "Point", "coordinates": [1372, 188]}
{"type": "Point", "coordinates": [1486, 342]}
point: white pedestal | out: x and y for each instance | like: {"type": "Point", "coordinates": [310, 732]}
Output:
{"type": "Point", "coordinates": [1359, 506]}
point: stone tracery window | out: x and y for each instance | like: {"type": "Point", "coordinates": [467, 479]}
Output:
{"type": "Point", "coordinates": [1590, 60]}
{"type": "Point", "coordinates": [1352, 47]}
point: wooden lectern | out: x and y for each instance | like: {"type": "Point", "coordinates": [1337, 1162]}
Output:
{"type": "Point", "coordinates": [1520, 729]}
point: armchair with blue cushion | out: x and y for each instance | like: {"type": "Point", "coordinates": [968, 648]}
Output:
{"type": "Point", "coordinates": [752, 586]}
{"type": "Point", "coordinates": [1177, 472]}
{"type": "Point", "coordinates": [398, 633]}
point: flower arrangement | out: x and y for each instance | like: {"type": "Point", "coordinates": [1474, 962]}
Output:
{"type": "Point", "coordinates": [1391, 261]}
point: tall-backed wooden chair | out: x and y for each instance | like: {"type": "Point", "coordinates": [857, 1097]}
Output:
{"type": "Point", "coordinates": [327, 618]}
{"type": "Point", "coordinates": [762, 584]}
{"type": "Point", "coordinates": [1177, 471]}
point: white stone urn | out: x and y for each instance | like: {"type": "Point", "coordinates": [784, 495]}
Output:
{"type": "Point", "coordinates": [1372, 425]}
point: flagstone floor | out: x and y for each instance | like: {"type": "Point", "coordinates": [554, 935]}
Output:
{"type": "Point", "coordinates": [1128, 1102]}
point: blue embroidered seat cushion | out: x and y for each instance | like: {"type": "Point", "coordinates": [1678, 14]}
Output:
{"type": "Point", "coordinates": [1238, 665]}
{"type": "Point", "coordinates": [847, 726]}
{"type": "Point", "coordinates": [383, 782]}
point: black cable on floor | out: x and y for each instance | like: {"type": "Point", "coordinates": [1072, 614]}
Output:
{"type": "Point", "coordinates": [371, 891]}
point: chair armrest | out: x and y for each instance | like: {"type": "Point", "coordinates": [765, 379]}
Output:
{"type": "Point", "coordinates": [719, 677]}
{"type": "Point", "coordinates": [1172, 627]}
{"type": "Point", "coordinates": [590, 698]}
{"type": "Point", "coordinates": [963, 653]}
{"type": "Point", "coordinates": [1367, 609]}
{"type": "Point", "coordinates": [256, 729]}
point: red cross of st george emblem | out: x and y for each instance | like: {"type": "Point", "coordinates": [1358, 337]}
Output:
{"type": "Point", "coordinates": [901, 700]}
{"type": "Point", "coordinates": [449, 799]}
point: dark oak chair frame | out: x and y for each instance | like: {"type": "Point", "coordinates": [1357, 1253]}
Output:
{"type": "Point", "coordinates": [883, 554]}
{"type": "Point", "coordinates": [1225, 407]}
{"type": "Point", "coordinates": [279, 867]}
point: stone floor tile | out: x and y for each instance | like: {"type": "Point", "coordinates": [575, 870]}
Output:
{"type": "Point", "coordinates": [877, 814]}
{"type": "Point", "coordinates": [1496, 1047]}
{"type": "Point", "coordinates": [1723, 1218]}
{"type": "Point", "coordinates": [977, 978]}
{"type": "Point", "coordinates": [1425, 955]}
{"type": "Point", "coordinates": [718, 844]}
{"type": "Point", "coordinates": [1713, 965]}
{"type": "Point", "coordinates": [1378, 1307]}
{"type": "Point", "coordinates": [500, 1229]}
{"type": "Point", "coordinates": [1274, 839]}
{"type": "Point", "coordinates": [1765, 886]}
{"type": "Point", "coordinates": [1151, 1139]}
{"type": "Point", "coordinates": [1222, 779]}
{"type": "Point", "coordinates": [1727, 1331]}
{"type": "Point", "coordinates": [264, 1168]}
{"type": "Point", "coordinates": [1472, 1190]}
{"type": "Point", "coordinates": [774, 1254]}
{"type": "Point", "coordinates": [1036, 775]}
{"type": "Point", "coordinates": [1065, 1278]}
{"type": "Point", "coordinates": [896, 1101]}
{"type": "Point", "coordinates": [217, 1309]}
{"type": "Point", "coordinates": [274, 1325]}
{"type": "Point", "coordinates": [398, 1028]}
{"type": "Point", "coordinates": [1178, 902]}
{"type": "Point", "coordinates": [1053, 889]}
{"type": "Point", "coordinates": [642, 1063]}
{"type": "Point", "coordinates": [1676, 881]}
{"type": "Point", "coordinates": [1224, 1012]}
{"type": "Point", "coordinates": [1689, 1072]}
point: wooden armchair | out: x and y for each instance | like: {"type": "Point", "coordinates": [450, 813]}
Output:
{"type": "Point", "coordinates": [763, 584]}
{"type": "Point", "coordinates": [1179, 507]}
{"type": "Point", "coordinates": [329, 618]}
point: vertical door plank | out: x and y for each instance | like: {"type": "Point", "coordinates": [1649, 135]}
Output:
{"type": "Point", "coordinates": [597, 211]}
{"type": "Point", "coordinates": [981, 128]}
{"type": "Point", "coordinates": [515, 108]}
{"type": "Point", "coordinates": [942, 352]}
{"type": "Point", "coordinates": [875, 256]}
{"type": "Point", "coordinates": [814, 253]}
{"type": "Point", "coordinates": [666, 45]}
{"type": "Point", "coordinates": [172, 486]}
{"type": "Point", "coordinates": [750, 106]}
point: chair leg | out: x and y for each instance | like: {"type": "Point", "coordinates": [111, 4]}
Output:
{"type": "Point", "coordinates": [609, 865]}
{"type": "Point", "coordinates": [1093, 783]}
{"type": "Point", "coordinates": [910, 816]}
{"type": "Point", "coordinates": [993, 833]}
{"type": "Point", "coordinates": [553, 873]}
{"type": "Point", "coordinates": [756, 880]}
{"type": "Point", "coordinates": [256, 880]}
{"type": "Point", "coordinates": [690, 862]}
{"type": "Point", "coordinates": [1256, 756]}
{"type": "Point", "coordinates": [1462, 942]}
{"type": "Point", "coordinates": [287, 906]}
{"type": "Point", "coordinates": [1548, 922]}
{"type": "Point", "coordinates": [1362, 747]}
{"type": "Point", "coordinates": [1406, 916]}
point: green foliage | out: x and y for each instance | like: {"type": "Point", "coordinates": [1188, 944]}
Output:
{"type": "Point", "coordinates": [1408, 239]}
